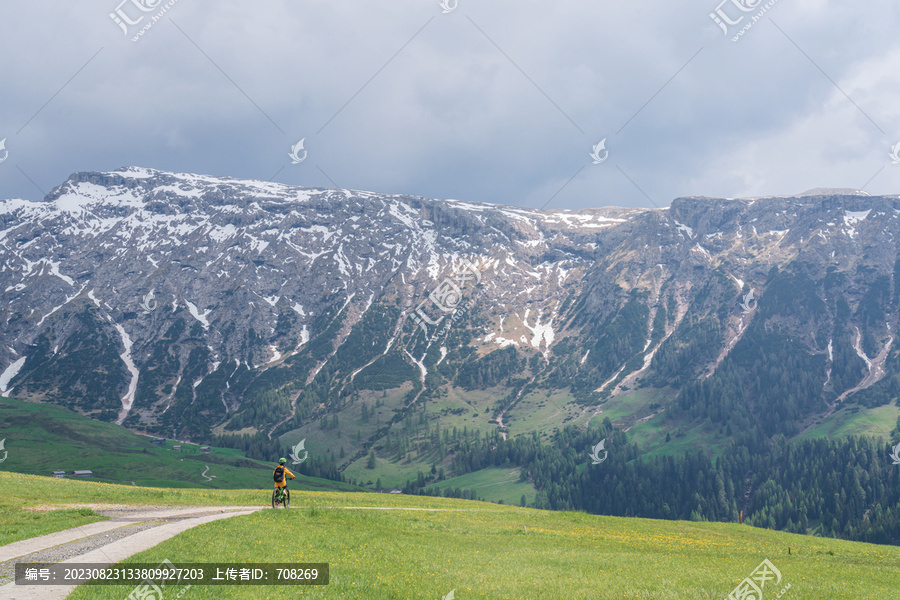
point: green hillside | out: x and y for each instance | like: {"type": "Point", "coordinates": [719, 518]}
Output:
{"type": "Point", "coordinates": [484, 551]}
{"type": "Point", "coordinates": [493, 484]}
{"type": "Point", "coordinates": [41, 438]}
{"type": "Point", "coordinates": [854, 419]}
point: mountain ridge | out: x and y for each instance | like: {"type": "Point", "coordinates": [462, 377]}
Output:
{"type": "Point", "coordinates": [186, 304]}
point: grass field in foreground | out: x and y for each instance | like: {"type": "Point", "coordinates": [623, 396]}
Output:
{"type": "Point", "coordinates": [483, 551]}
{"type": "Point", "coordinates": [20, 492]}
{"type": "Point", "coordinates": [17, 524]}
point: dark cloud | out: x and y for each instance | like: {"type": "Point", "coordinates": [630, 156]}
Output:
{"type": "Point", "coordinates": [494, 101]}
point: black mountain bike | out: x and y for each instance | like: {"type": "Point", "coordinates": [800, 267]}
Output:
{"type": "Point", "coordinates": [281, 497]}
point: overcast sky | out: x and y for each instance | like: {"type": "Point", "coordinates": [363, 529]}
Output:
{"type": "Point", "coordinates": [497, 101]}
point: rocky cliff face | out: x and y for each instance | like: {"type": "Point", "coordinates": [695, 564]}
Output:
{"type": "Point", "coordinates": [189, 305]}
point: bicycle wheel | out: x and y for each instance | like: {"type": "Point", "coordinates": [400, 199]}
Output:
{"type": "Point", "coordinates": [287, 498]}
{"type": "Point", "coordinates": [274, 498]}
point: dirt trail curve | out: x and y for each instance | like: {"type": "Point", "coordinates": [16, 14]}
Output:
{"type": "Point", "coordinates": [129, 531]}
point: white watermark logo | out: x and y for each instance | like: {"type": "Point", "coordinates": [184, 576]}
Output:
{"type": "Point", "coordinates": [149, 303]}
{"type": "Point", "coordinates": [449, 596]}
{"type": "Point", "coordinates": [447, 297]}
{"type": "Point", "coordinates": [726, 19]}
{"type": "Point", "coordinates": [449, 6]}
{"type": "Point", "coordinates": [751, 588]}
{"type": "Point", "coordinates": [595, 452]}
{"type": "Point", "coordinates": [748, 304]}
{"type": "Point", "coordinates": [4, 153]}
{"type": "Point", "coordinates": [294, 155]}
{"type": "Point", "coordinates": [3, 441]}
{"type": "Point", "coordinates": [296, 450]}
{"type": "Point", "coordinates": [895, 153]}
{"type": "Point", "coordinates": [152, 590]}
{"type": "Point", "coordinates": [600, 147]}
{"type": "Point", "coordinates": [895, 455]}
{"type": "Point", "coordinates": [123, 20]}
{"type": "Point", "coordinates": [137, 11]}
{"type": "Point", "coordinates": [723, 20]}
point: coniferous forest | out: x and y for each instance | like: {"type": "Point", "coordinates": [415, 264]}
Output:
{"type": "Point", "coordinates": [837, 488]}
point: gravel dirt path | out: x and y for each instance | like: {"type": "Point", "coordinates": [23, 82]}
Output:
{"type": "Point", "coordinates": [130, 530]}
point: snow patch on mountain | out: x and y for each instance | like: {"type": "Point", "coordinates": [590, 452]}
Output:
{"type": "Point", "coordinates": [685, 229]}
{"type": "Point", "coordinates": [56, 308]}
{"type": "Point", "coordinates": [541, 333]}
{"type": "Point", "coordinates": [9, 373]}
{"type": "Point", "coordinates": [128, 398]}
{"type": "Point", "coordinates": [220, 234]}
{"type": "Point", "coordinates": [201, 317]}
{"type": "Point", "coordinates": [852, 217]}
{"type": "Point", "coordinates": [419, 363]}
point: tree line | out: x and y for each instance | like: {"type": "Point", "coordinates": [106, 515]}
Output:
{"type": "Point", "coordinates": [844, 488]}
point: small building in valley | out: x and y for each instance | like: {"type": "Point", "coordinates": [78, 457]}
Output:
{"type": "Point", "coordinates": [83, 473]}
{"type": "Point", "coordinates": [59, 474]}
{"type": "Point", "coordinates": [204, 448]}
{"type": "Point", "coordinates": [177, 447]}
{"type": "Point", "coordinates": [157, 442]}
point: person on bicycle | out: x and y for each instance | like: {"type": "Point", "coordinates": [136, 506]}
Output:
{"type": "Point", "coordinates": [279, 474]}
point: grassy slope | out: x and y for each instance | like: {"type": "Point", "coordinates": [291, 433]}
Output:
{"type": "Point", "coordinates": [856, 420]}
{"type": "Point", "coordinates": [460, 409]}
{"type": "Point", "coordinates": [542, 410]}
{"type": "Point", "coordinates": [483, 550]}
{"type": "Point", "coordinates": [41, 438]}
{"type": "Point", "coordinates": [493, 484]}
{"type": "Point", "coordinates": [625, 408]}
{"type": "Point", "coordinates": [686, 436]}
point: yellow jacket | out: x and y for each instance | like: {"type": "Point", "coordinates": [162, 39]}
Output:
{"type": "Point", "coordinates": [283, 482]}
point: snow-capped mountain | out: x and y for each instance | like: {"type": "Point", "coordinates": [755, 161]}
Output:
{"type": "Point", "coordinates": [188, 305]}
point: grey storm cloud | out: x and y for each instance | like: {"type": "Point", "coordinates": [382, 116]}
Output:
{"type": "Point", "coordinates": [493, 101]}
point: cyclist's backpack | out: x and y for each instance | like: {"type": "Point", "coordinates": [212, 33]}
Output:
{"type": "Point", "coordinates": [279, 474]}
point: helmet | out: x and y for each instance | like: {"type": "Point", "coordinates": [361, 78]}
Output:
{"type": "Point", "coordinates": [281, 461]}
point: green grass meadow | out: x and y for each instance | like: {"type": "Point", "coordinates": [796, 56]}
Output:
{"type": "Point", "coordinates": [477, 550]}
{"type": "Point", "coordinates": [384, 546]}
